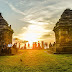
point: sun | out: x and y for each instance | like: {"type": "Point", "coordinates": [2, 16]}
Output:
{"type": "Point", "coordinates": [30, 37]}
{"type": "Point", "coordinates": [32, 33]}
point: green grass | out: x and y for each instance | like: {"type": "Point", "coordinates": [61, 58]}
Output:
{"type": "Point", "coordinates": [36, 61]}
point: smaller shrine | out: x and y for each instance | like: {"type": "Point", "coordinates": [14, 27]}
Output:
{"type": "Point", "coordinates": [5, 32]}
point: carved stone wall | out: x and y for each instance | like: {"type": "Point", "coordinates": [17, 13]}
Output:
{"type": "Point", "coordinates": [63, 33]}
{"type": "Point", "coordinates": [5, 31]}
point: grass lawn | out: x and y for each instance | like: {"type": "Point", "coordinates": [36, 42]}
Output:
{"type": "Point", "coordinates": [36, 61]}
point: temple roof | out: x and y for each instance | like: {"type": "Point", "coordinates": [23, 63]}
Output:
{"type": "Point", "coordinates": [2, 20]}
{"type": "Point", "coordinates": [65, 20]}
{"type": "Point", "coordinates": [4, 25]}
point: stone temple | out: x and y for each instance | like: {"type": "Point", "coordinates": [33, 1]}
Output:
{"type": "Point", "coordinates": [5, 31]}
{"type": "Point", "coordinates": [63, 34]}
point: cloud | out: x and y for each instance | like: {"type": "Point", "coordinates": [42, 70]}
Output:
{"type": "Point", "coordinates": [24, 28]}
{"type": "Point", "coordinates": [46, 36]}
{"type": "Point", "coordinates": [41, 19]}
{"type": "Point", "coordinates": [39, 16]}
{"type": "Point", "coordinates": [39, 23]}
{"type": "Point", "coordinates": [15, 9]}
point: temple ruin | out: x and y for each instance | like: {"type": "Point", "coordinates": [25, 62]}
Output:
{"type": "Point", "coordinates": [63, 34]}
{"type": "Point", "coordinates": [5, 32]}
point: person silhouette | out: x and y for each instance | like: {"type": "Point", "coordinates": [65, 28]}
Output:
{"type": "Point", "coordinates": [9, 48]}
{"type": "Point", "coordinates": [25, 46]}
{"type": "Point", "coordinates": [28, 45]}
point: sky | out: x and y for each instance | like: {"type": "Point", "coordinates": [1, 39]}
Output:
{"type": "Point", "coordinates": [33, 20]}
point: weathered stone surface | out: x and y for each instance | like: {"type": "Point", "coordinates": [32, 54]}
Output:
{"type": "Point", "coordinates": [5, 36]}
{"type": "Point", "coordinates": [5, 31]}
{"type": "Point", "coordinates": [63, 33]}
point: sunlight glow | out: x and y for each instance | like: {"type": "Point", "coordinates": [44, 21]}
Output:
{"type": "Point", "coordinates": [36, 22]}
{"type": "Point", "coordinates": [33, 33]}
